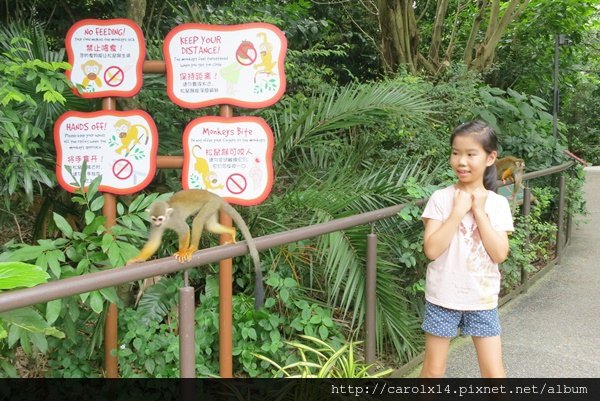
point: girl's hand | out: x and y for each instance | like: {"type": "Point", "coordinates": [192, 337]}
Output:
{"type": "Point", "coordinates": [462, 202]}
{"type": "Point", "coordinates": [479, 197]}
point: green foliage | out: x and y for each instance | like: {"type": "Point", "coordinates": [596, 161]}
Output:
{"type": "Point", "coordinates": [75, 253]}
{"type": "Point", "coordinates": [322, 360]}
{"type": "Point", "coordinates": [538, 250]}
{"type": "Point", "coordinates": [149, 346]}
{"type": "Point", "coordinates": [24, 326]}
{"type": "Point", "coordinates": [581, 115]}
{"type": "Point", "coordinates": [524, 126]}
{"type": "Point", "coordinates": [33, 92]}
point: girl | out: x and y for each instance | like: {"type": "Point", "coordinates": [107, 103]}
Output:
{"type": "Point", "coordinates": [466, 236]}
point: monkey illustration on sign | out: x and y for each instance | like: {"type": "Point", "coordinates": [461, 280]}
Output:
{"type": "Point", "coordinates": [266, 57]}
{"type": "Point", "coordinates": [201, 166]}
{"type": "Point", "coordinates": [130, 135]}
{"type": "Point", "coordinates": [91, 70]}
{"type": "Point", "coordinates": [205, 205]}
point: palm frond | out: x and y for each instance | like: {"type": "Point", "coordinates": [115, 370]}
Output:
{"type": "Point", "coordinates": [338, 109]}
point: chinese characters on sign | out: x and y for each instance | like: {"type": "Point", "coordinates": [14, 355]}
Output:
{"type": "Point", "coordinates": [241, 65]}
{"type": "Point", "coordinates": [107, 57]}
{"type": "Point", "coordinates": [119, 145]}
{"type": "Point", "coordinates": [231, 157]}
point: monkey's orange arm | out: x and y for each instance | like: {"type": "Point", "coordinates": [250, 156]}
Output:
{"type": "Point", "coordinates": [506, 174]}
{"type": "Point", "coordinates": [147, 251]}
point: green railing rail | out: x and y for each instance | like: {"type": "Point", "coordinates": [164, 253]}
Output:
{"type": "Point", "coordinates": [108, 278]}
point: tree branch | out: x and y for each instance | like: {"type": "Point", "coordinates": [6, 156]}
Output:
{"type": "Point", "coordinates": [460, 7]}
{"type": "Point", "coordinates": [489, 46]}
{"type": "Point", "coordinates": [436, 36]}
{"type": "Point", "coordinates": [468, 56]}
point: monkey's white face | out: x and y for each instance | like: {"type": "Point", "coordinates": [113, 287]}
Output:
{"type": "Point", "coordinates": [158, 221]}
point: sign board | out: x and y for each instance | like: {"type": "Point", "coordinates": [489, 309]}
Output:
{"type": "Point", "coordinates": [107, 57]}
{"type": "Point", "coordinates": [241, 65]}
{"type": "Point", "coordinates": [119, 145]}
{"type": "Point", "coordinates": [231, 157]}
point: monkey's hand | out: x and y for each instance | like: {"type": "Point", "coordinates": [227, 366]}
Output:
{"type": "Point", "coordinates": [185, 255]}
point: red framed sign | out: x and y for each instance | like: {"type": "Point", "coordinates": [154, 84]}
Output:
{"type": "Point", "coordinates": [240, 65]}
{"type": "Point", "coordinates": [119, 145]}
{"type": "Point", "coordinates": [107, 57]}
{"type": "Point", "coordinates": [231, 157]}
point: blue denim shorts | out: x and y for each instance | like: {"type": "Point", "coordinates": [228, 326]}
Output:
{"type": "Point", "coordinates": [444, 322]}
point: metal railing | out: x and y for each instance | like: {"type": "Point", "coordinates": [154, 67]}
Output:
{"type": "Point", "coordinates": [108, 278]}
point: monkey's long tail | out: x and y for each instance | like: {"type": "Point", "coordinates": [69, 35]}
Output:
{"type": "Point", "coordinates": [259, 290]}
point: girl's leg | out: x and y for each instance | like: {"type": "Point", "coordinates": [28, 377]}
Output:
{"type": "Point", "coordinates": [436, 356]}
{"type": "Point", "coordinates": [489, 355]}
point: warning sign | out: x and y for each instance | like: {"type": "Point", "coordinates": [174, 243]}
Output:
{"type": "Point", "coordinates": [107, 57]}
{"type": "Point", "coordinates": [231, 157]}
{"type": "Point", "coordinates": [119, 145]}
{"type": "Point", "coordinates": [241, 65]}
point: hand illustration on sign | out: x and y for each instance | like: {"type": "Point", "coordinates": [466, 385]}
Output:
{"type": "Point", "coordinates": [130, 135]}
{"type": "Point", "coordinates": [91, 70]}
{"type": "Point", "coordinates": [245, 55]}
{"type": "Point", "coordinates": [266, 57]}
{"type": "Point", "coordinates": [202, 168]}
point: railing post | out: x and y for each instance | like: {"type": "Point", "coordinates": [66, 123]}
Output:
{"type": "Point", "coordinates": [526, 211]}
{"type": "Point", "coordinates": [371, 300]}
{"type": "Point", "coordinates": [187, 332]}
{"type": "Point", "coordinates": [561, 216]}
{"type": "Point", "coordinates": [569, 222]}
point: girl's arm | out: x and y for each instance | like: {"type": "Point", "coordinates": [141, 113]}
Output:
{"type": "Point", "coordinates": [494, 242]}
{"type": "Point", "coordinates": [438, 234]}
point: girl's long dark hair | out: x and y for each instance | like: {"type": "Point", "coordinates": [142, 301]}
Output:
{"type": "Point", "coordinates": [485, 135]}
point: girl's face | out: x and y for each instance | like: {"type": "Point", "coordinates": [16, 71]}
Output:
{"type": "Point", "coordinates": [469, 160]}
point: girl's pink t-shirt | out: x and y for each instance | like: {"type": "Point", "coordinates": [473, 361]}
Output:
{"type": "Point", "coordinates": [464, 277]}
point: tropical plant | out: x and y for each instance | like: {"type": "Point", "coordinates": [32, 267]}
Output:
{"type": "Point", "coordinates": [24, 326]}
{"type": "Point", "coordinates": [328, 157]}
{"type": "Point", "coordinates": [322, 360]}
{"type": "Point", "coordinates": [33, 91]}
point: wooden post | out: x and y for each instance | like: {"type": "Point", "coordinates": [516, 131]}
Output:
{"type": "Point", "coordinates": [225, 293]}
{"type": "Point", "coordinates": [109, 210]}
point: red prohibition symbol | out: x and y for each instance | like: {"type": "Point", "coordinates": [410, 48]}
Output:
{"type": "Point", "coordinates": [113, 76]}
{"type": "Point", "coordinates": [236, 183]}
{"type": "Point", "coordinates": [246, 53]}
{"type": "Point", "coordinates": [122, 169]}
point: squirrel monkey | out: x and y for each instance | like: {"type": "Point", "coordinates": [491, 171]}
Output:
{"type": "Point", "coordinates": [205, 206]}
{"type": "Point", "coordinates": [511, 168]}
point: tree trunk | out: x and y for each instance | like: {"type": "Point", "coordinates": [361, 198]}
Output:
{"type": "Point", "coordinates": [436, 37]}
{"type": "Point", "coordinates": [468, 58]}
{"type": "Point", "coordinates": [497, 26]}
{"type": "Point", "coordinates": [136, 11]}
{"type": "Point", "coordinates": [400, 34]}
{"type": "Point", "coordinates": [400, 37]}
